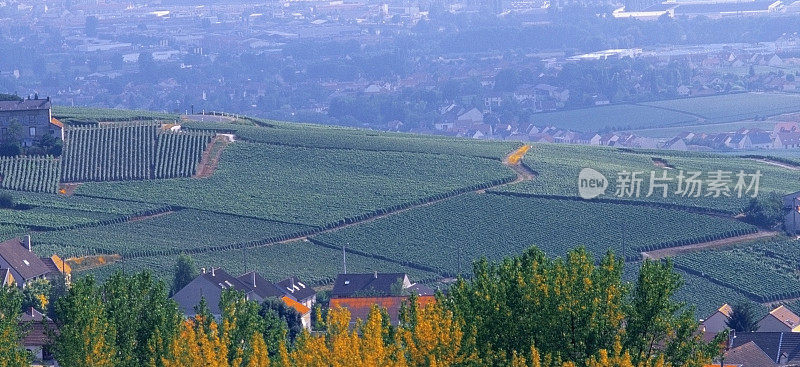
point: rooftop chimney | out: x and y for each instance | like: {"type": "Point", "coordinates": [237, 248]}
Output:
{"type": "Point", "coordinates": [254, 279]}
{"type": "Point", "coordinates": [203, 270]}
{"type": "Point", "coordinates": [376, 274]}
{"type": "Point", "coordinates": [26, 242]}
{"type": "Point", "coordinates": [212, 272]}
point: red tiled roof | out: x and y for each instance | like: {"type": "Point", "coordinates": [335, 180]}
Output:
{"type": "Point", "coordinates": [360, 307]}
{"type": "Point", "coordinates": [297, 306]}
{"type": "Point", "coordinates": [55, 121]}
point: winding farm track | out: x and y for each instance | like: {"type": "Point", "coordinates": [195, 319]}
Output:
{"type": "Point", "coordinates": [788, 166]}
{"type": "Point", "coordinates": [724, 242]}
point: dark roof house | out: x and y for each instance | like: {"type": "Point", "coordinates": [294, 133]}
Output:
{"type": "Point", "coordinates": [260, 286]}
{"type": "Point", "coordinates": [369, 285]}
{"type": "Point", "coordinates": [209, 286]}
{"type": "Point", "coordinates": [23, 264]}
{"type": "Point", "coordinates": [781, 348]}
{"type": "Point", "coordinates": [294, 288]}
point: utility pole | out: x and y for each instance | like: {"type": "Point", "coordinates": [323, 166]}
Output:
{"type": "Point", "coordinates": [344, 259]}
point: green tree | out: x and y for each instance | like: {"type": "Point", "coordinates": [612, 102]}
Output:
{"type": "Point", "coordinates": [6, 201]}
{"type": "Point", "coordinates": [185, 272]}
{"type": "Point", "coordinates": [144, 318]}
{"type": "Point", "coordinates": [240, 321]}
{"type": "Point", "coordinates": [765, 211]}
{"type": "Point", "coordinates": [289, 316]}
{"type": "Point", "coordinates": [86, 337]}
{"type": "Point", "coordinates": [11, 353]}
{"type": "Point", "coordinates": [743, 317]}
{"type": "Point", "coordinates": [36, 294]}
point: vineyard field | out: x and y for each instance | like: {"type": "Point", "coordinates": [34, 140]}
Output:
{"type": "Point", "coordinates": [81, 203]}
{"type": "Point", "coordinates": [37, 174]}
{"type": "Point", "coordinates": [46, 218]}
{"type": "Point", "coordinates": [88, 115]}
{"type": "Point", "coordinates": [613, 117]}
{"type": "Point", "coordinates": [312, 186]}
{"type": "Point", "coordinates": [183, 230]}
{"type": "Point", "coordinates": [765, 272]}
{"type": "Point", "coordinates": [698, 292]}
{"type": "Point", "coordinates": [303, 135]}
{"type": "Point", "coordinates": [314, 264]}
{"type": "Point", "coordinates": [134, 151]}
{"type": "Point", "coordinates": [733, 107]}
{"type": "Point", "coordinates": [495, 226]}
{"type": "Point", "coordinates": [558, 167]}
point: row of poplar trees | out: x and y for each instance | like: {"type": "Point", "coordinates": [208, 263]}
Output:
{"type": "Point", "coordinates": [524, 311]}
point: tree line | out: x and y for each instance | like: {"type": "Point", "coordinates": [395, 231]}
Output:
{"type": "Point", "coordinates": [528, 310]}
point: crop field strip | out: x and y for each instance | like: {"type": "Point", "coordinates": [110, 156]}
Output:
{"type": "Point", "coordinates": [37, 174]}
{"type": "Point", "coordinates": [764, 272]}
{"type": "Point", "coordinates": [130, 151]}
{"type": "Point", "coordinates": [494, 226]}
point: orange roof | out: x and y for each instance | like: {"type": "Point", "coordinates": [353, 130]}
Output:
{"type": "Point", "coordinates": [360, 307]}
{"type": "Point", "coordinates": [299, 307]}
{"type": "Point", "coordinates": [62, 266]}
{"type": "Point", "coordinates": [55, 121]}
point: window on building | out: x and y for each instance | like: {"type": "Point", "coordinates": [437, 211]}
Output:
{"type": "Point", "coordinates": [32, 131]}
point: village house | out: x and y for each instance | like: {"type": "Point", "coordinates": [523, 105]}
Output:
{"type": "Point", "coordinates": [30, 119]}
{"type": "Point", "coordinates": [764, 349]}
{"type": "Point", "coordinates": [786, 140]}
{"type": "Point", "coordinates": [37, 337]}
{"type": "Point", "coordinates": [211, 283]}
{"type": "Point", "coordinates": [359, 292]}
{"type": "Point", "coordinates": [718, 321]}
{"type": "Point", "coordinates": [19, 265]}
{"type": "Point", "coordinates": [781, 319]}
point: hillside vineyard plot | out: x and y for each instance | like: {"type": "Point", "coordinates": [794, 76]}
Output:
{"type": "Point", "coordinates": [38, 174]}
{"type": "Point", "coordinates": [313, 136]}
{"type": "Point", "coordinates": [613, 117]}
{"type": "Point", "coordinates": [733, 107]}
{"type": "Point", "coordinates": [88, 115]}
{"type": "Point", "coordinates": [169, 234]}
{"type": "Point", "coordinates": [559, 165]}
{"type": "Point", "coordinates": [765, 272]}
{"type": "Point", "coordinates": [449, 235]}
{"type": "Point", "coordinates": [130, 152]}
{"type": "Point", "coordinates": [317, 187]}
{"type": "Point", "coordinates": [313, 264]}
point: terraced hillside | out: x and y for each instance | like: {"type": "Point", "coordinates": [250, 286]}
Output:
{"type": "Point", "coordinates": [285, 199]}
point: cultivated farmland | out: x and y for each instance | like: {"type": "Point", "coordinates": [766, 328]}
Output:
{"type": "Point", "coordinates": [38, 174]}
{"type": "Point", "coordinates": [613, 117]}
{"type": "Point", "coordinates": [733, 107]}
{"type": "Point", "coordinates": [130, 152]}
{"type": "Point", "coordinates": [313, 186]}
{"type": "Point", "coordinates": [449, 235]}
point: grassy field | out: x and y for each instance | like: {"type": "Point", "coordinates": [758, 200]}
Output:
{"type": "Point", "coordinates": [89, 115]}
{"type": "Point", "coordinates": [183, 230]}
{"type": "Point", "coordinates": [667, 117]}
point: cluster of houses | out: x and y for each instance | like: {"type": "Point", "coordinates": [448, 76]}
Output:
{"type": "Point", "coordinates": [355, 292]}
{"type": "Point", "coordinates": [785, 135]}
{"type": "Point", "coordinates": [19, 267]}
{"type": "Point", "coordinates": [775, 343]}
